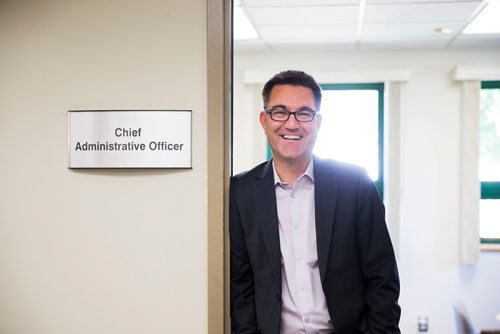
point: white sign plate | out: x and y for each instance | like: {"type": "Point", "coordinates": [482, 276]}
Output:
{"type": "Point", "coordinates": [129, 138]}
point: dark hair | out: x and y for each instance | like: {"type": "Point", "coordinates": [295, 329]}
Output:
{"type": "Point", "coordinates": [293, 78]}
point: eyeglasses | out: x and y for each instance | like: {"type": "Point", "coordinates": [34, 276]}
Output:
{"type": "Point", "coordinates": [280, 114]}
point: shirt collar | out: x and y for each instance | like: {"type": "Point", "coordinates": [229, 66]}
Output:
{"type": "Point", "coordinates": [309, 172]}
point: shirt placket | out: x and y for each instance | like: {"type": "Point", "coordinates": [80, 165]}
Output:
{"type": "Point", "coordinates": [298, 236]}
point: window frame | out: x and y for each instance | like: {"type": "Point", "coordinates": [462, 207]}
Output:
{"type": "Point", "coordinates": [490, 189]}
{"type": "Point", "coordinates": [379, 87]}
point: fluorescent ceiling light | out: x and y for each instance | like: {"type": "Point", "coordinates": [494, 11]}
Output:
{"type": "Point", "coordinates": [487, 21]}
{"type": "Point", "coordinates": [243, 29]}
{"type": "Point", "coordinates": [361, 18]}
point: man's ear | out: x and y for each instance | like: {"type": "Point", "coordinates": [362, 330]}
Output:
{"type": "Point", "coordinates": [319, 120]}
{"type": "Point", "coordinates": [263, 120]}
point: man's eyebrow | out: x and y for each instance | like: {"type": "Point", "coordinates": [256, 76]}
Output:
{"type": "Point", "coordinates": [303, 108]}
{"type": "Point", "coordinates": [279, 106]}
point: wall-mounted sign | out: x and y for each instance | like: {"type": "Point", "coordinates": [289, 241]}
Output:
{"type": "Point", "coordinates": [129, 138]}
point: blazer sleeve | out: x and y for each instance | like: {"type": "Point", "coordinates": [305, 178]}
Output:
{"type": "Point", "coordinates": [242, 289]}
{"type": "Point", "coordinates": [378, 262]}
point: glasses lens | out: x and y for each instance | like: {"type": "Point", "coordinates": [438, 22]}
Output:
{"type": "Point", "coordinates": [304, 115]}
{"type": "Point", "coordinates": [279, 114]}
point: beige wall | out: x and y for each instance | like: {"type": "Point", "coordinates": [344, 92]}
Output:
{"type": "Point", "coordinates": [100, 251]}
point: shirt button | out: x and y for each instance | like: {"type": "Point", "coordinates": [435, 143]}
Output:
{"type": "Point", "coordinates": [295, 226]}
{"type": "Point", "coordinates": [306, 320]}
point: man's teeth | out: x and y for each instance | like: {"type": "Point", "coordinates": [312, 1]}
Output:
{"type": "Point", "coordinates": [291, 137]}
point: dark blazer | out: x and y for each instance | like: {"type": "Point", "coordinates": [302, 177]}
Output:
{"type": "Point", "coordinates": [356, 260]}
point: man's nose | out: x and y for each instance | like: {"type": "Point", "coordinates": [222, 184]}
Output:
{"type": "Point", "coordinates": [292, 122]}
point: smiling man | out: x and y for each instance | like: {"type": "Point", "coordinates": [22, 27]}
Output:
{"type": "Point", "coordinates": [310, 250]}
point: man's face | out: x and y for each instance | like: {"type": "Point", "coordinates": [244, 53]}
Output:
{"type": "Point", "coordinates": [291, 141]}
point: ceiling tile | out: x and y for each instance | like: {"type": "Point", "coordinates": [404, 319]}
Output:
{"type": "Point", "coordinates": [472, 41]}
{"type": "Point", "coordinates": [302, 16]}
{"type": "Point", "coordinates": [409, 2]}
{"type": "Point", "coordinates": [412, 29]}
{"type": "Point", "coordinates": [303, 3]}
{"type": "Point", "coordinates": [309, 33]}
{"type": "Point", "coordinates": [247, 46]}
{"type": "Point", "coordinates": [348, 45]}
{"type": "Point", "coordinates": [420, 12]}
{"type": "Point", "coordinates": [399, 44]}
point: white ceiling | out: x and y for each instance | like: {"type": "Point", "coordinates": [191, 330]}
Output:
{"type": "Point", "coordinates": [386, 24]}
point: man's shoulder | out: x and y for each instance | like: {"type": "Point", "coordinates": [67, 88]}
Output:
{"type": "Point", "coordinates": [347, 177]}
{"type": "Point", "coordinates": [339, 168]}
{"type": "Point", "coordinates": [251, 174]}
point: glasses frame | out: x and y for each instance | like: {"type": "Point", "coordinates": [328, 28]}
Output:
{"type": "Point", "coordinates": [294, 113]}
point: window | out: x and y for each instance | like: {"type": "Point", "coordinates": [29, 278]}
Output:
{"type": "Point", "coordinates": [489, 162]}
{"type": "Point", "coordinates": [352, 129]}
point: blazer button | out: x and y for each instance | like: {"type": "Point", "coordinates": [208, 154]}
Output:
{"type": "Point", "coordinates": [278, 298]}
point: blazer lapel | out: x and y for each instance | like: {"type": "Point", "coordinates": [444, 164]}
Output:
{"type": "Point", "coordinates": [325, 197]}
{"type": "Point", "coordinates": [265, 199]}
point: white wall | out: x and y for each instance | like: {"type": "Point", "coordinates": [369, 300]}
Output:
{"type": "Point", "coordinates": [100, 251]}
{"type": "Point", "coordinates": [431, 278]}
